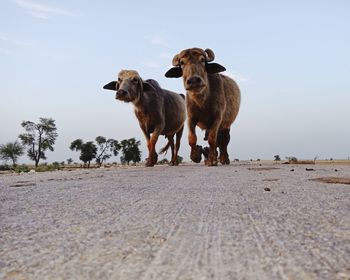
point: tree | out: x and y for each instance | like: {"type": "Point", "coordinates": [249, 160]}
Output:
{"type": "Point", "coordinates": [106, 146]}
{"type": "Point", "coordinates": [11, 151]}
{"type": "Point", "coordinates": [87, 150]}
{"type": "Point", "coordinates": [130, 150]}
{"type": "Point", "coordinates": [277, 158]}
{"type": "Point", "coordinates": [39, 137]}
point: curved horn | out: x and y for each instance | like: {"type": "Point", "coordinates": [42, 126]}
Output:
{"type": "Point", "coordinates": [210, 55]}
{"type": "Point", "coordinates": [176, 61]}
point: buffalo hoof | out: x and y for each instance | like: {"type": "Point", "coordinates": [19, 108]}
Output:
{"type": "Point", "coordinates": [224, 160]}
{"type": "Point", "coordinates": [174, 163]}
{"type": "Point", "coordinates": [211, 162]}
{"type": "Point", "coordinates": [151, 161]}
{"type": "Point", "coordinates": [196, 154]}
{"type": "Point", "coordinates": [149, 164]}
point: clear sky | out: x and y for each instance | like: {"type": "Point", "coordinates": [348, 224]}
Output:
{"type": "Point", "coordinates": [291, 60]}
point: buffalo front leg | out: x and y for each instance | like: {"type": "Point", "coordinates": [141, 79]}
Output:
{"type": "Point", "coordinates": [152, 155]}
{"type": "Point", "coordinates": [212, 140]}
{"type": "Point", "coordinates": [196, 151]}
{"type": "Point", "coordinates": [212, 157]}
{"type": "Point", "coordinates": [223, 140]}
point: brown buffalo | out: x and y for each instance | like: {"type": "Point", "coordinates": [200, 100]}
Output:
{"type": "Point", "coordinates": [159, 111]}
{"type": "Point", "coordinates": [212, 101]}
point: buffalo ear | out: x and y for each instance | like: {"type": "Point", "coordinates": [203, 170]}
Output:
{"type": "Point", "coordinates": [213, 68]}
{"type": "Point", "coordinates": [175, 72]}
{"type": "Point", "coordinates": [111, 86]}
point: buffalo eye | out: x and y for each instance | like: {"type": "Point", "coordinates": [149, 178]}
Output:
{"type": "Point", "coordinates": [134, 80]}
{"type": "Point", "coordinates": [202, 60]}
{"type": "Point", "coordinates": [182, 63]}
{"type": "Point", "coordinates": [119, 80]}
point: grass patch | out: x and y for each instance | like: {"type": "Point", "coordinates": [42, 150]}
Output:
{"type": "Point", "coordinates": [22, 168]}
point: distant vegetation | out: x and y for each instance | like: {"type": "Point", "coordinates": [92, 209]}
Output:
{"type": "Point", "coordinates": [130, 151]}
{"type": "Point", "coordinates": [39, 138]}
{"type": "Point", "coordinates": [103, 149]}
{"type": "Point", "coordinates": [11, 151]}
{"type": "Point", "coordinates": [87, 150]}
{"type": "Point", "coordinates": [277, 158]}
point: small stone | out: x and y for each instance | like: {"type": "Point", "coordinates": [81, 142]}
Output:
{"type": "Point", "coordinates": [292, 170]}
{"type": "Point", "coordinates": [267, 189]}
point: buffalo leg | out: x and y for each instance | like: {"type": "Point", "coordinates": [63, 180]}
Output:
{"type": "Point", "coordinates": [212, 140]}
{"type": "Point", "coordinates": [174, 160]}
{"type": "Point", "coordinates": [223, 140]}
{"type": "Point", "coordinates": [171, 143]}
{"type": "Point", "coordinates": [212, 157]}
{"type": "Point", "coordinates": [152, 155]}
{"type": "Point", "coordinates": [196, 151]}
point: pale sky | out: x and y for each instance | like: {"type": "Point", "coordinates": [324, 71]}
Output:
{"type": "Point", "coordinates": [291, 60]}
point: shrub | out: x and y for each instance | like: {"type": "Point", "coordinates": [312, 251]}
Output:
{"type": "Point", "coordinates": [22, 168]}
{"type": "Point", "coordinates": [5, 167]}
{"type": "Point", "coordinates": [47, 167]}
{"type": "Point", "coordinates": [163, 161]}
{"type": "Point", "coordinates": [56, 164]}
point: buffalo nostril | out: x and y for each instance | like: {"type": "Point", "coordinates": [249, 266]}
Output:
{"type": "Point", "coordinates": [121, 92]}
{"type": "Point", "coordinates": [193, 81]}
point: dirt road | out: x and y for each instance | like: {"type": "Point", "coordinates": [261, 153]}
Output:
{"type": "Point", "coordinates": [242, 221]}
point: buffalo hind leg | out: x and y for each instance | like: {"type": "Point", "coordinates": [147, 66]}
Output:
{"type": "Point", "coordinates": [171, 143]}
{"type": "Point", "coordinates": [174, 159]}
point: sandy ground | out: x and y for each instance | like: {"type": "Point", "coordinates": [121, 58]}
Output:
{"type": "Point", "coordinates": [242, 221]}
